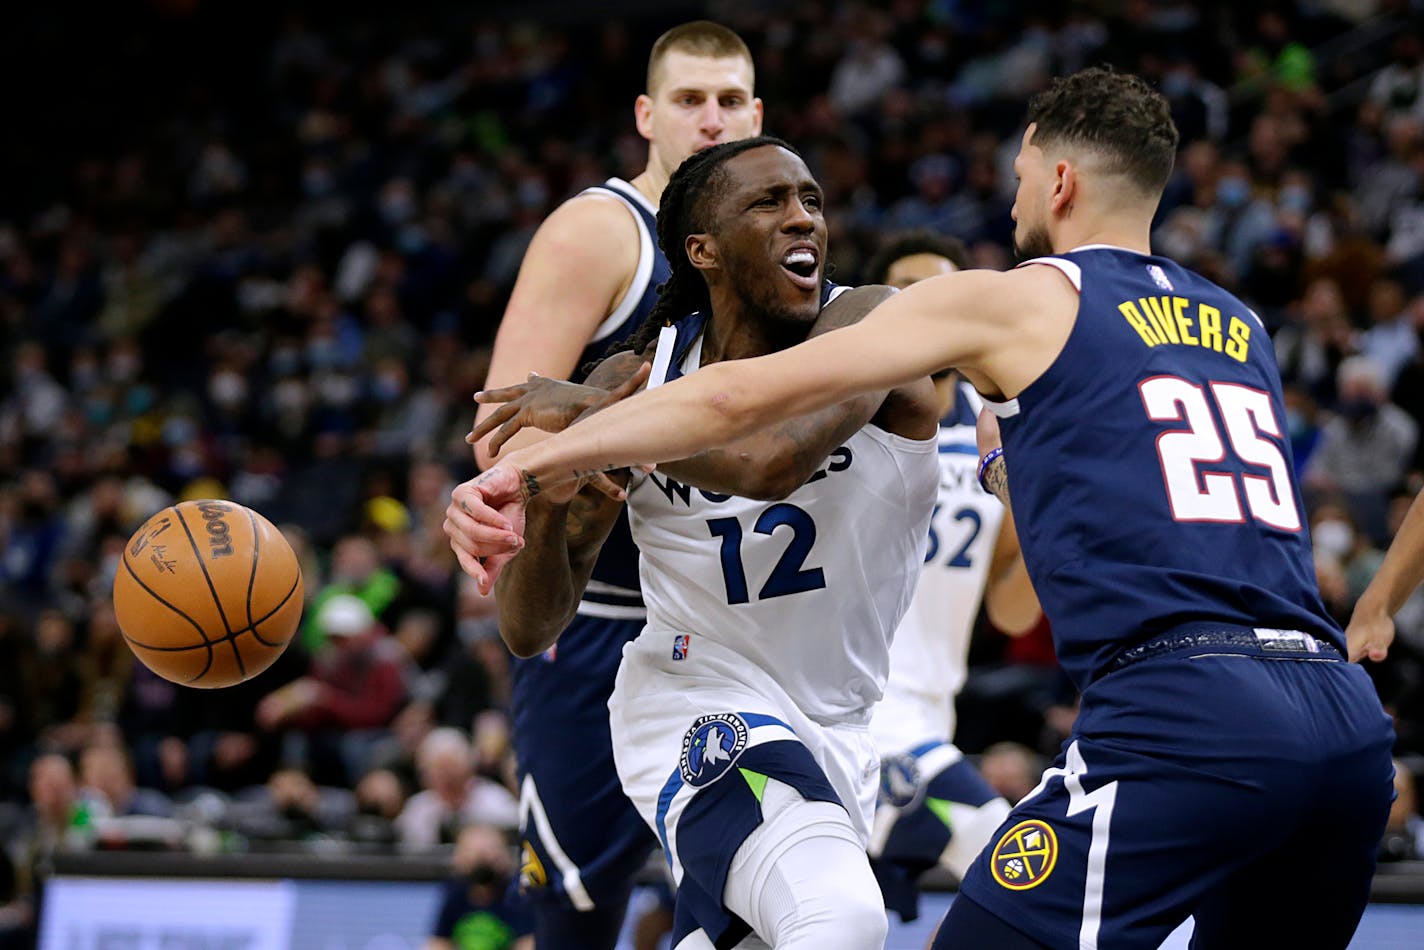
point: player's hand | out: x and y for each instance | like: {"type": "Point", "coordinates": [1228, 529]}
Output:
{"type": "Point", "coordinates": [1369, 634]}
{"type": "Point", "coordinates": [485, 522]}
{"type": "Point", "coordinates": [548, 404]}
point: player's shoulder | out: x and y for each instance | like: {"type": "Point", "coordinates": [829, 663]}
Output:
{"type": "Point", "coordinates": [589, 230]}
{"type": "Point", "coordinates": [598, 207]}
{"type": "Point", "coordinates": [848, 305]}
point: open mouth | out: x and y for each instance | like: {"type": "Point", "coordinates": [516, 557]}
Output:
{"type": "Point", "coordinates": [802, 265]}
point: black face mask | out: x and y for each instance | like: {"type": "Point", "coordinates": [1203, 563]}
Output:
{"type": "Point", "coordinates": [483, 875]}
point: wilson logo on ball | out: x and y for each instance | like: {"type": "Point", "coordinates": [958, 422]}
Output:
{"type": "Point", "coordinates": [219, 535]}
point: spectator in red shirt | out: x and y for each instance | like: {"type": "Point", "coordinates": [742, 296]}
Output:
{"type": "Point", "coordinates": [340, 712]}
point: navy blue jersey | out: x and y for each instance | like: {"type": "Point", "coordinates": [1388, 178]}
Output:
{"type": "Point", "coordinates": [612, 591]}
{"type": "Point", "coordinates": [1150, 467]}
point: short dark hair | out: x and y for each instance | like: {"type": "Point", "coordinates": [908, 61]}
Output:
{"type": "Point", "coordinates": [1114, 114]}
{"type": "Point", "coordinates": [698, 38]}
{"type": "Point", "coordinates": [910, 243]}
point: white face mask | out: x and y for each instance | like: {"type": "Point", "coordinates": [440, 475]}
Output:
{"type": "Point", "coordinates": [1334, 537]}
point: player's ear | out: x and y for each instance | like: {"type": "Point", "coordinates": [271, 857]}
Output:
{"type": "Point", "coordinates": [1065, 186]}
{"type": "Point", "coordinates": [701, 251]}
{"type": "Point", "coordinates": [643, 115]}
{"type": "Point", "coordinates": [757, 110]}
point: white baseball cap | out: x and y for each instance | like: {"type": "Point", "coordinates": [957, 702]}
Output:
{"type": "Point", "coordinates": [345, 615]}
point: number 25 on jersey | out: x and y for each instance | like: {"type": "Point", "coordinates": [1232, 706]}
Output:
{"type": "Point", "coordinates": [1194, 490]}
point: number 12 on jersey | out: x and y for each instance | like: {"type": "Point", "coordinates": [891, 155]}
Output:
{"type": "Point", "coordinates": [789, 575]}
{"type": "Point", "coordinates": [1195, 492]}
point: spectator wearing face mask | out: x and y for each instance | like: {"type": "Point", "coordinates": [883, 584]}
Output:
{"type": "Point", "coordinates": [1335, 536]}
{"type": "Point", "coordinates": [479, 908]}
{"type": "Point", "coordinates": [1239, 220]}
{"type": "Point", "coordinates": [1365, 449]}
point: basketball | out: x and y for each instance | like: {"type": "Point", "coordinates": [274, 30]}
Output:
{"type": "Point", "coordinates": [208, 593]}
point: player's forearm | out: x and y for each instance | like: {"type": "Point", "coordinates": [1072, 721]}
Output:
{"type": "Point", "coordinates": [709, 408]}
{"type": "Point", "coordinates": [1011, 602]}
{"type": "Point", "coordinates": [540, 589]}
{"type": "Point", "coordinates": [1403, 567]}
{"type": "Point", "coordinates": [537, 592]}
{"type": "Point", "coordinates": [774, 462]}
{"type": "Point", "coordinates": [723, 402]}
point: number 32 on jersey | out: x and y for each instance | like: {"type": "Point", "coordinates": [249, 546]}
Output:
{"type": "Point", "coordinates": [1194, 490]}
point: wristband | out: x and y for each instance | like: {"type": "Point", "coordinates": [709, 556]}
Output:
{"type": "Point", "coordinates": [989, 458]}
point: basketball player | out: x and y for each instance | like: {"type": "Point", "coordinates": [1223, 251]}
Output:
{"type": "Point", "coordinates": [740, 714]}
{"type": "Point", "coordinates": [1227, 762]}
{"type": "Point", "coordinates": [589, 278]}
{"type": "Point", "coordinates": [934, 807]}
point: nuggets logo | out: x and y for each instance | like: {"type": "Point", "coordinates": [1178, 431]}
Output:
{"type": "Point", "coordinates": [710, 747]}
{"type": "Point", "coordinates": [531, 871]}
{"type": "Point", "coordinates": [900, 781]}
{"type": "Point", "coordinates": [1025, 855]}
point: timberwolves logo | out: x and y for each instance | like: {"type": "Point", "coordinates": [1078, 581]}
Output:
{"type": "Point", "coordinates": [1025, 855]}
{"type": "Point", "coordinates": [900, 781]}
{"type": "Point", "coordinates": [710, 747]}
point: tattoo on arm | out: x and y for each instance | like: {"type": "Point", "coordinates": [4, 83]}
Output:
{"type": "Point", "coordinates": [996, 479]}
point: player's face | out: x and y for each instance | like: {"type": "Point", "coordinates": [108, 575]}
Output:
{"type": "Point", "coordinates": [771, 234]}
{"type": "Point", "coordinates": [1031, 201]}
{"type": "Point", "coordinates": [697, 102]}
{"type": "Point", "coordinates": [913, 268]}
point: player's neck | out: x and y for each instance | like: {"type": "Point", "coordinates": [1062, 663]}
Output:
{"type": "Point", "coordinates": [1130, 235]}
{"type": "Point", "coordinates": [735, 333]}
{"type": "Point", "coordinates": [651, 183]}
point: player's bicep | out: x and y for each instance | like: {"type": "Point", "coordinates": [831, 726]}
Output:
{"type": "Point", "coordinates": [578, 265]}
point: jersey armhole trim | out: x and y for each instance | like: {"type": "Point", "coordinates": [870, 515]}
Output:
{"type": "Point", "coordinates": [644, 271]}
{"type": "Point", "coordinates": [1072, 271]}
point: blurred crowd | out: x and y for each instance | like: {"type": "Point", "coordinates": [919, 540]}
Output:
{"type": "Point", "coordinates": [280, 287]}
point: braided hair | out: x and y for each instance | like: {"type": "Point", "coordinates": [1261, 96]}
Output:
{"type": "Point", "coordinates": [690, 194]}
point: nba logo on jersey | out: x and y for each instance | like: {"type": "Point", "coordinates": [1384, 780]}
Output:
{"type": "Point", "coordinates": [1159, 277]}
{"type": "Point", "coordinates": [680, 644]}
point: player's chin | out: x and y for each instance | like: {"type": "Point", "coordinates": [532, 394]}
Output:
{"type": "Point", "coordinates": [799, 308]}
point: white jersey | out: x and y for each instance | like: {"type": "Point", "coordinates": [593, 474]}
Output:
{"type": "Point", "coordinates": [808, 589]}
{"type": "Point", "coordinates": [929, 657]}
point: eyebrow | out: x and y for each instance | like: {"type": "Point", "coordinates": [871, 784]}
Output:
{"type": "Point", "coordinates": [728, 90]}
{"type": "Point", "coordinates": [782, 187]}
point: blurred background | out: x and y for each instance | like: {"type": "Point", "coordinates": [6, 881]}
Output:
{"type": "Point", "coordinates": [261, 254]}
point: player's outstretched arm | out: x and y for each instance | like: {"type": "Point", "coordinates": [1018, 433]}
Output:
{"type": "Point", "coordinates": [552, 405]}
{"type": "Point", "coordinates": [577, 268]}
{"type": "Point", "coordinates": [773, 462]}
{"type": "Point", "coordinates": [1371, 629]}
{"type": "Point", "coordinates": [960, 319]}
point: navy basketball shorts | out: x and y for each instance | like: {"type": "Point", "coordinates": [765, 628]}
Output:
{"type": "Point", "coordinates": [1245, 789]}
{"type": "Point", "coordinates": [583, 841]}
